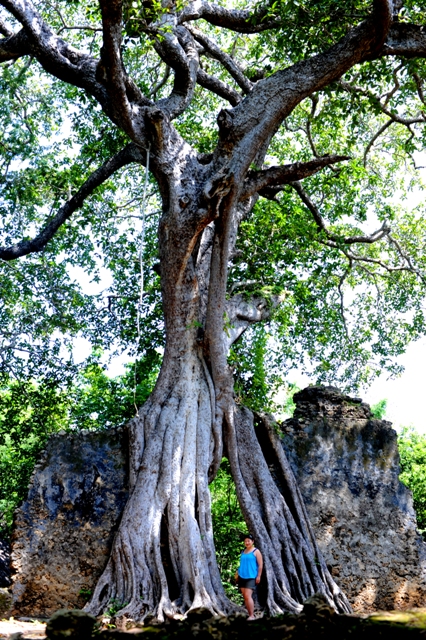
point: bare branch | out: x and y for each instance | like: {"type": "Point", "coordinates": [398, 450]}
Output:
{"type": "Point", "coordinates": [419, 85]}
{"type": "Point", "coordinates": [375, 137]}
{"type": "Point", "coordinates": [342, 301]}
{"type": "Point", "coordinates": [129, 154]}
{"type": "Point", "coordinates": [153, 92]}
{"type": "Point", "coordinates": [338, 240]}
{"type": "Point", "coordinates": [281, 175]}
{"type": "Point", "coordinates": [218, 87]}
{"type": "Point", "coordinates": [421, 118]}
{"type": "Point", "coordinates": [226, 60]}
{"type": "Point", "coordinates": [242, 21]}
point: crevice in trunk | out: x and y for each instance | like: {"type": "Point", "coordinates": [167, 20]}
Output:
{"type": "Point", "coordinates": [172, 582]}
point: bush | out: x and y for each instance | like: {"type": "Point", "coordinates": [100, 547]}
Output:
{"type": "Point", "coordinates": [412, 451]}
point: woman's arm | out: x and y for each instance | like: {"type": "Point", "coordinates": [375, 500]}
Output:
{"type": "Point", "coordinates": [259, 565]}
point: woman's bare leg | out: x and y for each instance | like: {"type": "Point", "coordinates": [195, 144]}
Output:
{"type": "Point", "coordinates": [248, 601]}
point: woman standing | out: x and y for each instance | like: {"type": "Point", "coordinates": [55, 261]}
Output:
{"type": "Point", "coordinates": [249, 572]}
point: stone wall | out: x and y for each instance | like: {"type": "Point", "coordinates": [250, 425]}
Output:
{"type": "Point", "coordinates": [63, 531]}
{"type": "Point", "coordinates": [347, 466]}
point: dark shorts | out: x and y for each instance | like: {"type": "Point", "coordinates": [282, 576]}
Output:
{"type": "Point", "coordinates": [246, 583]}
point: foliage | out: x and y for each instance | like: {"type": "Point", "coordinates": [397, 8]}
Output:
{"type": "Point", "coordinates": [412, 451]}
{"type": "Point", "coordinates": [228, 528]}
{"type": "Point", "coordinates": [378, 410]}
{"type": "Point", "coordinates": [29, 413]}
{"type": "Point", "coordinates": [341, 321]}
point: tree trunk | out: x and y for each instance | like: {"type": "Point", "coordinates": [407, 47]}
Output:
{"type": "Point", "coordinates": [163, 558]}
{"type": "Point", "coordinates": [275, 513]}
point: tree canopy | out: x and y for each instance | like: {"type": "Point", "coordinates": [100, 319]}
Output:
{"type": "Point", "coordinates": [345, 311]}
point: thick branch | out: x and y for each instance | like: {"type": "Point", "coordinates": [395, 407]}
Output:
{"type": "Point", "coordinates": [242, 21]}
{"type": "Point", "coordinates": [14, 46]}
{"type": "Point", "coordinates": [54, 54]}
{"type": "Point", "coordinates": [408, 40]}
{"type": "Point", "coordinates": [128, 155]}
{"type": "Point", "coordinates": [111, 71]}
{"type": "Point", "coordinates": [218, 87]}
{"type": "Point", "coordinates": [281, 175]}
{"type": "Point", "coordinates": [241, 314]}
{"type": "Point", "coordinates": [251, 122]}
{"type": "Point", "coordinates": [178, 51]}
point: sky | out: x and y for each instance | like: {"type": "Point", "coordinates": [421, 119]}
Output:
{"type": "Point", "coordinates": [405, 395]}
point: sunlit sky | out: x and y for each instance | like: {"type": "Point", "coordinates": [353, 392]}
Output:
{"type": "Point", "coordinates": [405, 395]}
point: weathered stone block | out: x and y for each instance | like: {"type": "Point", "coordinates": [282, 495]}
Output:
{"type": "Point", "coordinates": [63, 531]}
{"type": "Point", "coordinates": [347, 467]}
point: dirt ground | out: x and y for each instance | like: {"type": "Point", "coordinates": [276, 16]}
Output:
{"type": "Point", "coordinates": [29, 629]}
{"type": "Point", "coordinates": [414, 619]}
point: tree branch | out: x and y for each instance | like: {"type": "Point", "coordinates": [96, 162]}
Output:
{"type": "Point", "coordinates": [110, 70]}
{"type": "Point", "coordinates": [126, 156]}
{"type": "Point", "coordinates": [14, 46]}
{"type": "Point", "coordinates": [241, 314]}
{"type": "Point", "coordinates": [178, 51]}
{"type": "Point", "coordinates": [338, 240]}
{"type": "Point", "coordinates": [374, 138]}
{"type": "Point", "coordinates": [226, 61]}
{"type": "Point", "coordinates": [281, 175]}
{"type": "Point", "coordinates": [218, 87]}
{"type": "Point", "coordinates": [54, 54]}
{"type": "Point", "coordinates": [407, 40]}
{"type": "Point", "coordinates": [394, 116]}
{"type": "Point", "coordinates": [242, 21]}
{"type": "Point", "coordinates": [251, 122]}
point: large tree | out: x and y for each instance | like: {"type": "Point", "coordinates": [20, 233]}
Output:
{"type": "Point", "coordinates": [265, 61]}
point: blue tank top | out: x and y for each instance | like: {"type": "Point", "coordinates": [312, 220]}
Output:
{"type": "Point", "coordinates": [248, 565]}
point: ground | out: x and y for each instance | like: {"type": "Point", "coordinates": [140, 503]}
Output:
{"type": "Point", "coordinates": [316, 621]}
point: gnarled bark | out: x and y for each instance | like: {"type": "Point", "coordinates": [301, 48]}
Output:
{"type": "Point", "coordinates": [163, 558]}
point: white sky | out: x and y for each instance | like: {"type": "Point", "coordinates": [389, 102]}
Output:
{"type": "Point", "coordinates": [405, 400]}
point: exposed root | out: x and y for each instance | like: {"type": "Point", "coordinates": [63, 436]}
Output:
{"type": "Point", "coordinates": [170, 494]}
{"type": "Point", "coordinates": [274, 509]}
